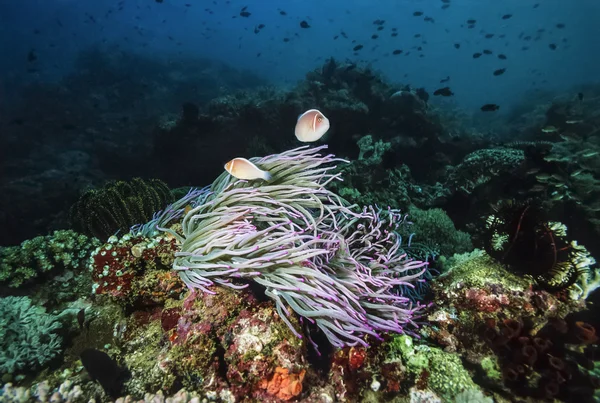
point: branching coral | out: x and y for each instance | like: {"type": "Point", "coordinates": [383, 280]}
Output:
{"type": "Point", "coordinates": [329, 262]}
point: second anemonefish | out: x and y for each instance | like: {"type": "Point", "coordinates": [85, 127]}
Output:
{"type": "Point", "coordinates": [241, 168]}
{"type": "Point", "coordinates": [311, 126]}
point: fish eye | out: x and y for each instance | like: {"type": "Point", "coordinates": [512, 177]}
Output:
{"type": "Point", "coordinates": [319, 119]}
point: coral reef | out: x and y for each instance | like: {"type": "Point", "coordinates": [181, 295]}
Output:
{"type": "Point", "coordinates": [497, 321]}
{"type": "Point", "coordinates": [283, 291]}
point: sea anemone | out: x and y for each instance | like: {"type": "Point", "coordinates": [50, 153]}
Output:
{"type": "Point", "coordinates": [335, 265]}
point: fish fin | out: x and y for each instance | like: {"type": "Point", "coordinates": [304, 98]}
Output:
{"type": "Point", "coordinates": [267, 175]}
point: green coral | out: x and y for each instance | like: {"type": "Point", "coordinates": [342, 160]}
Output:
{"type": "Point", "coordinates": [434, 228]}
{"type": "Point", "coordinates": [28, 338]}
{"type": "Point", "coordinates": [367, 183]}
{"type": "Point", "coordinates": [492, 368]}
{"type": "Point", "coordinates": [447, 376]}
{"type": "Point", "coordinates": [472, 396]}
{"type": "Point", "coordinates": [63, 250]}
{"type": "Point", "coordinates": [483, 165]}
{"type": "Point", "coordinates": [118, 206]}
{"type": "Point", "coordinates": [476, 269]}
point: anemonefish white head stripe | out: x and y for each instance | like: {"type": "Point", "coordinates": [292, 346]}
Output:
{"type": "Point", "coordinates": [311, 126]}
{"type": "Point", "coordinates": [241, 168]}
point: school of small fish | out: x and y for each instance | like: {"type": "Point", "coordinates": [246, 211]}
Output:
{"type": "Point", "coordinates": [553, 36]}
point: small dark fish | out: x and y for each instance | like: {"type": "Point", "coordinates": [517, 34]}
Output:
{"type": "Point", "coordinates": [261, 26]}
{"type": "Point", "coordinates": [444, 92]}
{"type": "Point", "coordinates": [499, 72]}
{"type": "Point", "coordinates": [457, 45]}
{"type": "Point", "coordinates": [304, 24]}
{"type": "Point", "coordinates": [536, 5]}
{"type": "Point", "coordinates": [445, 6]}
{"type": "Point", "coordinates": [282, 12]}
{"type": "Point", "coordinates": [374, 36]}
{"type": "Point", "coordinates": [286, 39]}
{"type": "Point", "coordinates": [560, 25]}
{"type": "Point", "coordinates": [394, 33]}
{"type": "Point", "coordinates": [81, 318]}
{"type": "Point", "coordinates": [397, 52]}
{"type": "Point", "coordinates": [428, 19]}
{"type": "Point", "coordinates": [471, 26]}
{"type": "Point", "coordinates": [552, 46]}
{"type": "Point", "coordinates": [31, 57]}
{"type": "Point", "coordinates": [580, 96]}
{"type": "Point", "coordinates": [418, 13]}
{"type": "Point", "coordinates": [501, 56]}
{"type": "Point", "coordinates": [506, 16]}
{"type": "Point", "coordinates": [487, 52]}
{"type": "Point", "coordinates": [378, 22]}
{"type": "Point", "coordinates": [476, 55]}
{"type": "Point", "coordinates": [103, 369]}
{"type": "Point", "coordinates": [357, 47]}
{"type": "Point", "coordinates": [245, 14]}
{"type": "Point", "coordinates": [446, 1]}
{"type": "Point", "coordinates": [417, 35]}
{"type": "Point", "coordinates": [380, 28]}
{"type": "Point", "coordinates": [445, 80]}
{"type": "Point", "coordinates": [489, 36]}
{"type": "Point", "coordinates": [490, 107]}
{"type": "Point", "coordinates": [471, 21]}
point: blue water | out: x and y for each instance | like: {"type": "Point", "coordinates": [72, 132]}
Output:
{"type": "Point", "coordinates": [59, 30]}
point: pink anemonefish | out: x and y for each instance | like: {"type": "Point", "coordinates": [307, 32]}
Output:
{"type": "Point", "coordinates": [311, 126]}
{"type": "Point", "coordinates": [241, 168]}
